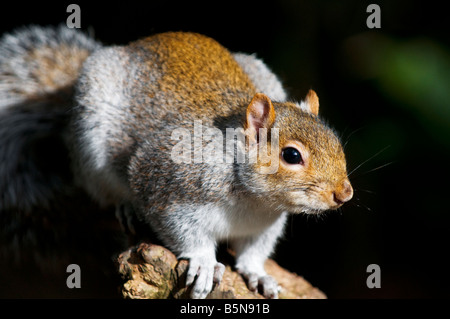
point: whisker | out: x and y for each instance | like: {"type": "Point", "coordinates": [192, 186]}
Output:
{"type": "Point", "coordinates": [359, 205]}
{"type": "Point", "coordinates": [374, 169]}
{"type": "Point", "coordinates": [364, 190]}
{"type": "Point", "coordinates": [364, 206]}
{"type": "Point", "coordinates": [376, 154]}
{"type": "Point", "coordinates": [348, 137]}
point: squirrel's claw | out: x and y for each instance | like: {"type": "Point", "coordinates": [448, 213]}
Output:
{"type": "Point", "coordinates": [205, 275]}
{"type": "Point", "coordinates": [268, 285]}
{"type": "Point", "coordinates": [219, 270]}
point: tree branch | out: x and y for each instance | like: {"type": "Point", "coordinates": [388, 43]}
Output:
{"type": "Point", "coordinates": [152, 271]}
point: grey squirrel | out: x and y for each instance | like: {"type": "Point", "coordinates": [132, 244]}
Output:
{"type": "Point", "coordinates": [115, 109]}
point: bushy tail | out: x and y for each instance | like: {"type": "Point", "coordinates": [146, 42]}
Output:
{"type": "Point", "coordinates": [38, 69]}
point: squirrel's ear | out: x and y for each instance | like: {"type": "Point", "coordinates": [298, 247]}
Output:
{"type": "Point", "coordinates": [260, 113]}
{"type": "Point", "coordinates": [311, 103]}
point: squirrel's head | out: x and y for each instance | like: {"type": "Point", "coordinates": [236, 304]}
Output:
{"type": "Point", "coordinates": [300, 166]}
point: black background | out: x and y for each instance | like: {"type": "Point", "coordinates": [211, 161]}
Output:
{"type": "Point", "coordinates": [399, 217]}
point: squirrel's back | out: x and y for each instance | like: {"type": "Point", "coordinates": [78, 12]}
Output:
{"type": "Point", "coordinates": [194, 68]}
{"type": "Point", "coordinates": [163, 74]}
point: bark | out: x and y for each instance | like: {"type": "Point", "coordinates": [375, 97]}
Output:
{"type": "Point", "coordinates": [151, 271]}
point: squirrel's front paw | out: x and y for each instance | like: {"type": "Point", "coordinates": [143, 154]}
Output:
{"type": "Point", "coordinates": [269, 286]}
{"type": "Point", "coordinates": [207, 273]}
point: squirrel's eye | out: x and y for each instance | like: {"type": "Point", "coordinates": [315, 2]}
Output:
{"type": "Point", "coordinates": [292, 156]}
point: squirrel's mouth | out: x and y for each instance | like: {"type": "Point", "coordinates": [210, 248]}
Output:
{"type": "Point", "coordinates": [318, 201]}
{"type": "Point", "coordinates": [299, 202]}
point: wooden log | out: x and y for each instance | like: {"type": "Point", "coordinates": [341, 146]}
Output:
{"type": "Point", "coordinates": [153, 272]}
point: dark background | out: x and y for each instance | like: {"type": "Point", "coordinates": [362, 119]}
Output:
{"type": "Point", "coordinates": [385, 90]}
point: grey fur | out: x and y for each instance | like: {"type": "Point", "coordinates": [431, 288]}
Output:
{"type": "Point", "coordinates": [263, 79]}
{"type": "Point", "coordinates": [120, 140]}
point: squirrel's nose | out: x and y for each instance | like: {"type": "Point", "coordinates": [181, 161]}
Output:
{"type": "Point", "coordinates": [343, 193]}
